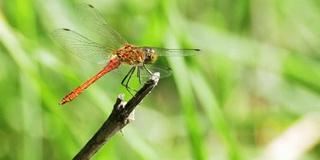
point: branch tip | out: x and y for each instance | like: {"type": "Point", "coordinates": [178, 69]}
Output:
{"type": "Point", "coordinates": [121, 115]}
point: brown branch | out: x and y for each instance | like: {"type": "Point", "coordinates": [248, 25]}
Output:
{"type": "Point", "coordinates": [121, 115]}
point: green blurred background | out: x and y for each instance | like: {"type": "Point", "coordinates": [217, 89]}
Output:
{"type": "Point", "coordinates": [252, 94]}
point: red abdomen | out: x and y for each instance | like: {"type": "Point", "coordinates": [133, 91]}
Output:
{"type": "Point", "coordinates": [113, 64]}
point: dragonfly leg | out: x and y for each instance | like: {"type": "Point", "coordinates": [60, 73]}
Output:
{"type": "Point", "coordinates": [145, 68]}
{"type": "Point", "coordinates": [139, 75]}
{"type": "Point", "coordinates": [126, 80]}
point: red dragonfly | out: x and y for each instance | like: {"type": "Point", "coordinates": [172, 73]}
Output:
{"type": "Point", "coordinates": [117, 53]}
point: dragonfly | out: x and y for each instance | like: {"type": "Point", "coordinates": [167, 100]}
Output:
{"type": "Point", "coordinates": [118, 52]}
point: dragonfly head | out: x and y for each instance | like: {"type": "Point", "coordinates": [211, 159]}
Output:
{"type": "Point", "coordinates": [150, 55]}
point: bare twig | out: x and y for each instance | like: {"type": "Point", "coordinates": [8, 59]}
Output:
{"type": "Point", "coordinates": [121, 115]}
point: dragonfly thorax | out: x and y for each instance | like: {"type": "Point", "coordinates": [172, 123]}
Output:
{"type": "Point", "coordinates": [131, 55]}
{"type": "Point", "coordinates": [150, 55]}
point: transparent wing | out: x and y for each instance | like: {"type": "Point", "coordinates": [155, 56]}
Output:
{"type": "Point", "coordinates": [164, 71]}
{"type": "Point", "coordinates": [93, 20]}
{"type": "Point", "coordinates": [176, 52]}
{"type": "Point", "coordinates": [82, 46]}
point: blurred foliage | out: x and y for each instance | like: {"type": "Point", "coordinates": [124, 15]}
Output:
{"type": "Point", "coordinates": [254, 85]}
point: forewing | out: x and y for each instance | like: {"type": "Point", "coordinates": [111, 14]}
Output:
{"type": "Point", "coordinates": [81, 46]}
{"type": "Point", "coordinates": [176, 52]}
{"type": "Point", "coordinates": [94, 21]}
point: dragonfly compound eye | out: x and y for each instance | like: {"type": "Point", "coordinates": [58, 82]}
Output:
{"type": "Point", "coordinates": [151, 55]}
